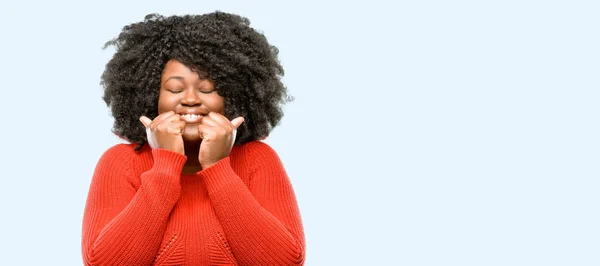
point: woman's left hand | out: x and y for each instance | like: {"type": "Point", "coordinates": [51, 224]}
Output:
{"type": "Point", "coordinates": [218, 136]}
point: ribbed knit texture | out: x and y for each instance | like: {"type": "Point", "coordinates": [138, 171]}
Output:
{"type": "Point", "coordinates": [142, 211]}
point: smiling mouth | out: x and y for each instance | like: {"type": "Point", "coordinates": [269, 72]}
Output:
{"type": "Point", "coordinates": [191, 118]}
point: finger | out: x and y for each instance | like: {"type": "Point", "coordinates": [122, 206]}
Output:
{"type": "Point", "coordinates": [205, 131]}
{"type": "Point", "coordinates": [151, 138]}
{"type": "Point", "coordinates": [145, 121]}
{"type": "Point", "coordinates": [158, 120]}
{"type": "Point", "coordinates": [171, 119]}
{"type": "Point", "coordinates": [209, 121]}
{"type": "Point", "coordinates": [162, 116]}
{"type": "Point", "coordinates": [236, 122]}
{"type": "Point", "coordinates": [177, 127]}
{"type": "Point", "coordinates": [221, 120]}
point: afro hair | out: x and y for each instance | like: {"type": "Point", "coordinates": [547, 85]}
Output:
{"type": "Point", "coordinates": [243, 66]}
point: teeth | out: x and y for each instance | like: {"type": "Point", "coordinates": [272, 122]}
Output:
{"type": "Point", "coordinates": [190, 116]}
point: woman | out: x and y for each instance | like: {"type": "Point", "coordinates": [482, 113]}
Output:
{"type": "Point", "coordinates": [193, 95]}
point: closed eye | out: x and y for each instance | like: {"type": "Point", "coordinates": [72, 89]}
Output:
{"type": "Point", "coordinates": [206, 92]}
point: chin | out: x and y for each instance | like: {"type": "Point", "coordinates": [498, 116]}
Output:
{"type": "Point", "coordinates": [190, 134]}
{"type": "Point", "coordinates": [190, 139]}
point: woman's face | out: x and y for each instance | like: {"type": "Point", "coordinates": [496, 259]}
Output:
{"type": "Point", "coordinates": [187, 94]}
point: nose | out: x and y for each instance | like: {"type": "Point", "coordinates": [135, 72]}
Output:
{"type": "Point", "coordinates": [190, 98]}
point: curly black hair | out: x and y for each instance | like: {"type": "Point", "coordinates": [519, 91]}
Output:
{"type": "Point", "coordinates": [243, 66]}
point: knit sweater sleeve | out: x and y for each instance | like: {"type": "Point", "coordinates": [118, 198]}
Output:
{"type": "Point", "coordinates": [123, 225]}
{"type": "Point", "coordinates": [261, 221]}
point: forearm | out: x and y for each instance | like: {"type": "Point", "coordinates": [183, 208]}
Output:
{"type": "Point", "coordinates": [255, 235]}
{"type": "Point", "coordinates": [134, 235]}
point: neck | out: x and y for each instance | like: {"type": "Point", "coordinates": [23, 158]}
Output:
{"type": "Point", "coordinates": [192, 165]}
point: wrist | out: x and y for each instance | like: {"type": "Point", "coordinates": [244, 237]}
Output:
{"type": "Point", "coordinates": [168, 161]}
{"type": "Point", "coordinates": [206, 165]}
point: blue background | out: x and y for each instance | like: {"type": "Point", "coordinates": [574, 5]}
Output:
{"type": "Point", "coordinates": [423, 132]}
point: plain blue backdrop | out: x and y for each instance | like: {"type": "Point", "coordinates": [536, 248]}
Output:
{"type": "Point", "coordinates": [423, 132]}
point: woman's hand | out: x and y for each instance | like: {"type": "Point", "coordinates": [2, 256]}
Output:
{"type": "Point", "coordinates": [218, 136]}
{"type": "Point", "coordinates": [165, 131]}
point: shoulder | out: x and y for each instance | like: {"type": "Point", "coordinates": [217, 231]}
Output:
{"type": "Point", "coordinates": [124, 160]}
{"type": "Point", "coordinates": [258, 155]}
{"type": "Point", "coordinates": [116, 157]}
{"type": "Point", "coordinates": [125, 154]}
{"type": "Point", "coordinates": [119, 151]}
{"type": "Point", "coordinates": [258, 150]}
{"type": "Point", "coordinates": [115, 168]}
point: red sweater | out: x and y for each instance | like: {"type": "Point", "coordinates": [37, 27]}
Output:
{"type": "Point", "coordinates": [142, 211]}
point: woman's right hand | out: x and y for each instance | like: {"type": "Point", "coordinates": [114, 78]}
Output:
{"type": "Point", "coordinates": [165, 131]}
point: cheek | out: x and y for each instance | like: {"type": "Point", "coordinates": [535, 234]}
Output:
{"type": "Point", "coordinates": [216, 104]}
{"type": "Point", "coordinates": [164, 105]}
